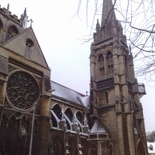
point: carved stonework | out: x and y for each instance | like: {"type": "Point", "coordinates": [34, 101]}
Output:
{"type": "Point", "coordinates": [12, 68]}
{"type": "Point", "coordinates": [22, 90]}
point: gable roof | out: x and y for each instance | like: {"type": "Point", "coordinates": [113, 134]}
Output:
{"type": "Point", "coordinates": [17, 44]}
{"type": "Point", "coordinates": [68, 94]}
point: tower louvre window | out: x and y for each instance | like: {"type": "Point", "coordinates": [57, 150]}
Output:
{"type": "Point", "coordinates": [105, 84]}
{"type": "Point", "coordinates": [101, 63]}
{"type": "Point", "coordinates": [110, 62]}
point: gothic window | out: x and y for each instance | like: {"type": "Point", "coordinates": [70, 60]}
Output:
{"type": "Point", "coordinates": [57, 111]}
{"type": "Point", "coordinates": [101, 63]}
{"type": "Point", "coordinates": [11, 32]}
{"type": "Point", "coordinates": [22, 90]}
{"type": "Point", "coordinates": [56, 114]}
{"type": "Point", "coordinates": [4, 121]}
{"type": "Point", "coordinates": [12, 124]}
{"type": "Point", "coordinates": [110, 62]}
{"type": "Point", "coordinates": [69, 115]}
{"type": "Point", "coordinates": [79, 117]}
{"type": "Point", "coordinates": [106, 97]}
{"type": "Point", "coordinates": [28, 49]}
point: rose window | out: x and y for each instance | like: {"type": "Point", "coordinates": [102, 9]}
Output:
{"type": "Point", "coordinates": [22, 90]}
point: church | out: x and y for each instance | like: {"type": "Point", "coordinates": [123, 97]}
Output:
{"type": "Point", "coordinates": [39, 116]}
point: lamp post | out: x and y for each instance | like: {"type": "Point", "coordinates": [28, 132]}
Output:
{"type": "Point", "coordinates": [32, 127]}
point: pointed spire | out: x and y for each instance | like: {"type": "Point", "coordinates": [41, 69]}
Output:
{"type": "Point", "coordinates": [8, 6]}
{"type": "Point", "coordinates": [108, 13]}
{"type": "Point", "coordinates": [97, 25]}
{"type": "Point", "coordinates": [25, 12]}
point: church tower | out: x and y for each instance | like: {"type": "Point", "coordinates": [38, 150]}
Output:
{"type": "Point", "coordinates": [114, 92]}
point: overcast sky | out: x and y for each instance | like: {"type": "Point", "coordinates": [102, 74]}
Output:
{"type": "Point", "coordinates": [61, 36]}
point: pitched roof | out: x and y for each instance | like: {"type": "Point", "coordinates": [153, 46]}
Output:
{"type": "Point", "coordinates": [98, 128]}
{"type": "Point", "coordinates": [68, 94]}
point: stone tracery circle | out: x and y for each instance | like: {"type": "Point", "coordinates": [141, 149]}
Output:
{"type": "Point", "coordinates": [22, 90]}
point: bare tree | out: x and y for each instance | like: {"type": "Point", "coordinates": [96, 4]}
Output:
{"type": "Point", "coordinates": [138, 21]}
{"type": "Point", "coordinates": [150, 137]}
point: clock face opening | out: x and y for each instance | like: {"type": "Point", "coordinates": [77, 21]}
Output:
{"type": "Point", "coordinates": [22, 90]}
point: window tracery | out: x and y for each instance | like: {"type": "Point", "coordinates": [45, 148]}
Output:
{"type": "Point", "coordinates": [22, 90]}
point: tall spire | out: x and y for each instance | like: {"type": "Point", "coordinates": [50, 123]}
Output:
{"type": "Point", "coordinates": [108, 13]}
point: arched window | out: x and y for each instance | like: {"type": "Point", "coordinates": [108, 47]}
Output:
{"type": "Point", "coordinates": [69, 115]}
{"type": "Point", "coordinates": [106, 97]}
{"type": "Point", "coordinates": [80, 119]}
{"type": "Point", "coordinates": [28, 49]}
{"type": "Point", "coordinates": [57, 111]}
{"type": "Point", "coordinates": [11, 32]}
{"type": "Point", "coordinates": [101, 63]}
{"type": "Point", "coordinates": [110, 62]}
{"type": "Point", "coordinates": [4, 121]}
{"type": "Point", "coordinates": [12, 124]}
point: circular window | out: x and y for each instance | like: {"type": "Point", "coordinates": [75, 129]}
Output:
{"type": "Point", "coordinates": [22, 90]}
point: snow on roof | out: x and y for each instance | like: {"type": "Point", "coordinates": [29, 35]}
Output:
{"type": "Point", "coordinates": [98, 128]}
{"type": "Point", "coordinates": [151, 147]}
{"type": "Point", "coordinates": [69, 94]}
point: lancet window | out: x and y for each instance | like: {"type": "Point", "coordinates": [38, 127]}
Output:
{"type": "Point", "coordinates": [101, 63]}
{"type": "Point", "coordinates": [110, 62]}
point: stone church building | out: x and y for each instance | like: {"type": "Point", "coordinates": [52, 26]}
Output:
{"type": "Point", "coordinates": [41, 117]}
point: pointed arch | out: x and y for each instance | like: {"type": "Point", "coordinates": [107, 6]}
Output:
{"type": "Point", "coordinates": [69, 118]}
{"type": "Point", "coordinates": [11, 32]}
{"type": "Point", "coordinates": [4, 120]}
{"type": "Point", "coordinates": [106, 97]}
{"type": "Point", "coordinates": [69, 114]}
{"type": "Point", "coordinates": [79, 116]}
{"type": "Point", "coordinates": [57, 110]}
{"type": "Point", "coordinates": [12, 123]}
{"type": "Point", "coordinates": [110, 67]}
{"type": "Point", "coordinates": [28, 50]}
{"type": "Point", "coordinates": [101, 64]}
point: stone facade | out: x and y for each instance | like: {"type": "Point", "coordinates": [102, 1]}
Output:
{"type": "Point", "coordinates": [41, 117]}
